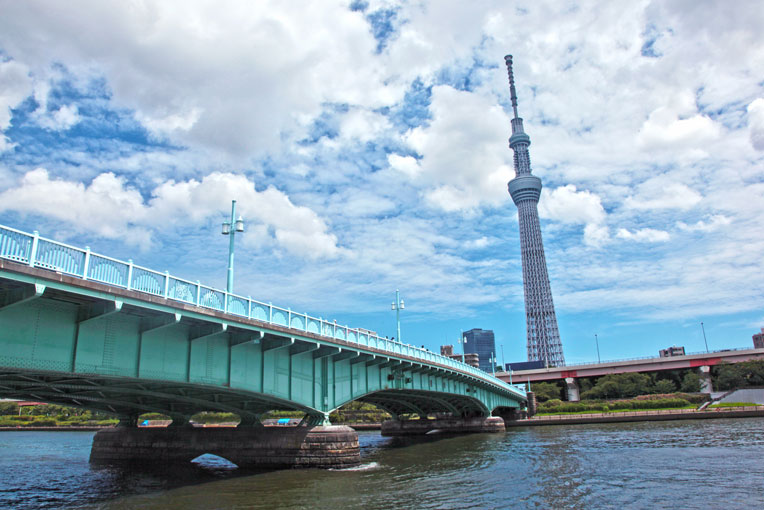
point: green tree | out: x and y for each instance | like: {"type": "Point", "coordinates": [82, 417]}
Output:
{"type": "Point", "coordinates": [664, 386]}
{"type": "Point", "coordinates": [620, 386]}
{"type": "Point", "coordinates": [690, 383]}
{"type": "Point", "coordinates": [9, 408]}
{"type": "Point", "coordinates": [546, 391]}
{"type": "Point", "coordinates": [728, 376]}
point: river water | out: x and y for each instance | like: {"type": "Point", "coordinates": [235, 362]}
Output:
{"type": "Point", "coordinates": [678, 465]}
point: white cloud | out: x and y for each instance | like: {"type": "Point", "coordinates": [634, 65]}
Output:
{"type": "Point", "coordinates": [677, 126]}
{"type": "Point", "coordinates": [646, 235]}
{"type": "Point", "coordinates": [61, 119]}
{"type": "Point", "coordinates": [596, 235]}
{"type": "Point", "coordinates": [756, 123]}
{"type": "Point", "coordinates": [240, 79]}
{"type": "Point", "coordinates": [363, 125]}
{"type": "Point", "coordinates": [109, 207]}
{"type": "Point", "coordinates": [405, 164]}
{"type": "Point", "coordinates": [463, 164]}
{"type": "Point", "coordinates": [713, 223]}
{"type": "Point", "coordinates": [659, 142]}
{"type": "Point", "coordinates": [568, 205]}
{"type": "Point", "coordinates": [663, 193]}
{"type": "Point", "coordinates": [15, 86]}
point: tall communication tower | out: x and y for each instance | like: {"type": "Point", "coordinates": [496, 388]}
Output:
{"type": "Point", "coordinates": [541, 322]}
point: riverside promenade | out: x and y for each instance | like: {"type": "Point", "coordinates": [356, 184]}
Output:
{"type": "Point", "coordinates": [633, 416]}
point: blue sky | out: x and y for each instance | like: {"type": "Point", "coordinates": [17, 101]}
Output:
{"type": "Point", "coordinates": [366, 144]}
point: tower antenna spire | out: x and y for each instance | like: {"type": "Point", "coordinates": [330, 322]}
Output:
{"type": "Point", "coordinates": [512, 91]}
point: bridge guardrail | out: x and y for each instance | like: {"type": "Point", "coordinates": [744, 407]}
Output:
{"type": "Point", "coordinates": [718, 351]}
{"type": "Point", "coordinates": [35, 251]}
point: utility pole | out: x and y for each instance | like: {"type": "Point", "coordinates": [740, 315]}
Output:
{"type": "Point", "coordinates": [596, 341]}
{"type": "Point", "coordinates": [704, 335]}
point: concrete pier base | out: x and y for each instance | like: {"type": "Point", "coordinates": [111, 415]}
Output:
{"type": "Point", "coordinates": [333, 446]}
{"type": "Point", "coordinates": [445, 425]}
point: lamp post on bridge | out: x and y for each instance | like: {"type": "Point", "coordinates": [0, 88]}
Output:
{"type": "Point", "coordinates": [597, 342]}
{"type": "Point", "coordinates": [230, 229]}
{"type": "Point", "coordinates": [704, 335]}
{"type": "Point", "coordinates": [462, 342]}
{"type": "Point", "coordinates": [398, 305]}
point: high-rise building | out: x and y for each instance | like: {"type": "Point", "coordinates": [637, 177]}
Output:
{"type": "Point", "coordinates": [540, 320]}
{"type": "Point", "coordinates": [482, 343]}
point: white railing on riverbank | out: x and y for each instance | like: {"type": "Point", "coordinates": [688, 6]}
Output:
{"type": "Point", "coordinates": [35, 251]}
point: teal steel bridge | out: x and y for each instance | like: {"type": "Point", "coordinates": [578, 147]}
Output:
{"type": "Point", "coordinates": [82, 329]}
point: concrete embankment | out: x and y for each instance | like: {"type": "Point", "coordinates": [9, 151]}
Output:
{"type": "Point", "coordinates": [633, 416]}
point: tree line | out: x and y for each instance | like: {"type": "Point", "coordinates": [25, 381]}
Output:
{"type": "Point", "coordinates": [725, 376]}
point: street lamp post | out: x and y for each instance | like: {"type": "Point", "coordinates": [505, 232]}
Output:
{"type": "Point", "coordinates": [462, 342]}
{"type": "Point", "coordinates": [597, 342]}
{"type": "Point", "coordinates": [704, 336]}
{"type": "Point", "coordinates": [230, 229]}
{"type": "Point", "coordinates": [493, 364]}
{"type": "Point", "coordinates": [398, 305]}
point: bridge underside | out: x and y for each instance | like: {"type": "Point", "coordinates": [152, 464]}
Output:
{"type": "Point", "coordinates": [128, 398]}
{"type": "Point", "coordinates": [424, 403]}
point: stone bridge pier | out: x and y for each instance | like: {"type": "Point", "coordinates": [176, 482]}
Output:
{"type": "Point", "coordinates": [334, 446]}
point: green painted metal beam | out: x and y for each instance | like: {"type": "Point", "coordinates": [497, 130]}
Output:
{"type": "Point", "coordinates": [99, 311]}
{"type": "Point", "coordinates": [326, 351]}
{"type": "Point", "coordinates": [16, 297]}
{"type": "Point", "coordinates": [208, 331]}
{"type": "Point", "coordinates": [346, 355]}
{"type": "Point", "coordinates": [303, 347]}
{"type": "Point", "coordinates": [271, 342]}
{"type": "Point", "coordinates": [377, 360]}
{"type": "Point", "coordinates": [155, 324]}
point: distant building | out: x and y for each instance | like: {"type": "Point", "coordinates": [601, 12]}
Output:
{"type": "Point", "coordinates": [524, 365]}
{"type": "Point", "coordinates": [481, 342]}
{"type": "Point", "coordinates": [758, 340]}
{"type": "Point", "coordinates": [471, 359]}
{"type": "Point", "coordinates": [671, 351]}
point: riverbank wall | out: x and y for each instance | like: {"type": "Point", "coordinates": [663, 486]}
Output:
{"type": "Point", "coordinates": [634, 416]}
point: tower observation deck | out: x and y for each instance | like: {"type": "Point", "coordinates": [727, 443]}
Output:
{"type": "Point", "coordinates": [541, 322]}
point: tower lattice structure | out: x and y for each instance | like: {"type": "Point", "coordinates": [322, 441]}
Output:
{"type": "Point", "coordinates": [541, 322]}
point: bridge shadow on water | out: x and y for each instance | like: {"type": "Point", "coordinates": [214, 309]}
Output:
{"type": "Point", "coordinates": [123, 478]}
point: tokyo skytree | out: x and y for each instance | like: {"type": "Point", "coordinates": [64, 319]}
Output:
{"type": "Point", "coordinates": [543, 336]}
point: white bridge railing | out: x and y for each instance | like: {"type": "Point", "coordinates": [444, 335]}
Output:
{"type": "Point", "coordinates": [35, 251]}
